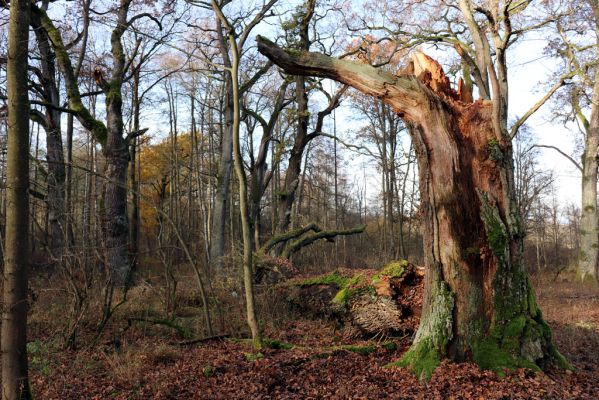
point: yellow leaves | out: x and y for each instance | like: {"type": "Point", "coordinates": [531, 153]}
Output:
{"type": "Point", "coordinates": [159, 163]}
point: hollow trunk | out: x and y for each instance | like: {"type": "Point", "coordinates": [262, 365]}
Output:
{"type": "Point", "coordinates": [478, 303]}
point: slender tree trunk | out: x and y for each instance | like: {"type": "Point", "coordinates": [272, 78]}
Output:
{"type": "Point", "coordinates": [134, 208]}
{"type": "Point", "coordinates": [15, 382]}
{"type": "Point", "coordinates": [246, 225]}
{"type": "Point", "coordinates": [478, 303]}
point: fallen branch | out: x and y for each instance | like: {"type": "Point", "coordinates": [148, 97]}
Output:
{"type": "Point", "coordinates": [287, 236]}
{"type": "Point", "coordinates": [307, 240]}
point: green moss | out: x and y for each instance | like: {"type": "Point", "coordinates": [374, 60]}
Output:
{"type": "Point", "coordinates": [341, 297]}
{"type": "Point", "coordinates": [515, 327]}
{"type": "Point", "coordinates": [496, 232]}
{"type": "Point", "coordinates": [345, 285]}
{"type": "Point", "coordinates": [533, 308]}
{"type": "Point", "coordinates": [361, 350]}
{"type": "Point", "coordinates": [495, 152]}
{"type": "Point", "coordinates": [253, 356]}
{"type": "Point", "coordinates": [488, 355]}
{"type": "Point", "coordinates": [394, 269]}
{"type": "Point", "coordinates": [559, 359]}
{"type": "Point", "coordinates": [389, 346]}
{"type": "Point", "coordinates": [330, 279]}
{"type": "Point", "coordinates": [422, 359]}
{"type": "Point", "coordinates": [276, 344]}
{"type": "Point", "coordinates": [207, 371]}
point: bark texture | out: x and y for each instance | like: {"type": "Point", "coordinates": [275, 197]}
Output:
{"type": "Point", "coordinates": [589, 221]}
{"type": "Point", "coordinates": [15, 383]}
{"type": "Point", "coordinates": [478, 303]}
{"type": "Point", "coordinates": [57, 216]}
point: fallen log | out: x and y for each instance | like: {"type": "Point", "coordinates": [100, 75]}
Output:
{"type": "Point", "coordinates": [365, 303]}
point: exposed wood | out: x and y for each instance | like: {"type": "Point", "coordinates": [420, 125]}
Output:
{"type": "Point", "coordinates": [472, 231]}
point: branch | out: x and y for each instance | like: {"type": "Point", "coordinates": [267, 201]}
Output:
{"type": "Point", "coordinates": [576, 164]}
{"type": "Point", "coordinates": [400, 92]}
{"type": "Point", "coordinates": [40, 19]}
{"type": "Point", "coordinates": [285, 237]}
{"type": "Point", "coordinates": [133, 135]}
{"type": "Point", "coordinates": [539, 104]}
{"type": "Point", "coordinates": [309, 239]}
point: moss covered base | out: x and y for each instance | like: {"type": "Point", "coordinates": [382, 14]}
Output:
{"type": "Point", "coordinates": [422, 359]}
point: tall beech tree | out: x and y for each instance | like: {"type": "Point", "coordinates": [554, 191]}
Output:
{"type": "Point", "coordinates": [479, 304]}
{"type": "Point", "coordinates": [15, 383]}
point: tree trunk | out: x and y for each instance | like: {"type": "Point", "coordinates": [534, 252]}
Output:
{"type": "Point", "coordinates": [219, 215]}
{"type": "Point", "coordinates": [478, 302]}
{"type": "Point", "coordinates": [57, 216]}
{"type": "Point", "coordinates": [116, 153]}
{"type": "Point", "coordinates": [134, 184]}
{"type": "Point", "coordinates": [589, 223]}
{"type": "Point", "coordinates": [15, 382]}
{"type": "Point", "coordinates": [589, 219]}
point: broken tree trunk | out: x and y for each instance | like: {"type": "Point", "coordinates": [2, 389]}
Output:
{"type": "Point", "coordinates": [366, 303]}
{"type": "Point", "coordinates": [478, 302]}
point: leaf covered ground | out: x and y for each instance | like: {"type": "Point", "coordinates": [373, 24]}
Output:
{"type": "Point", "coordinates": [309, 359]}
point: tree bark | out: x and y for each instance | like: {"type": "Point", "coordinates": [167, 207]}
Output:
{"type": "Point", "coordinates": [589, 218]}
{"type": "Point", "coordinates": [134, 216]}
{"type": "Point", "coordinates": [116, 153]}
{"type": "Point", "coordinates": [219, 215]}
{"type": "Point", "coordinates": [57, 216]}
{"type": "Point", "coordinates": [478, 302]}
{"type": "Point", "coordinates": [589, 221]}
{"type": "Point", "coordinates": [15, 382]}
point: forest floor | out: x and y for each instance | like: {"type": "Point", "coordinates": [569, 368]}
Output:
{"type": "Point", "coordinates": [309, 359]}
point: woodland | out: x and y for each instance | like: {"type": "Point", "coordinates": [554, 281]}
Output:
{"type": "Point", "coordinates": [298, 199]}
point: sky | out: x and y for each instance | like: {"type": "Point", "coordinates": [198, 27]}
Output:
{"type": "Point", "coordinates": [529, 74]}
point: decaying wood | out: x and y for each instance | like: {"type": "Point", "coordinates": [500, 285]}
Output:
{"type": "Point", "coordinates": [476, 285]}
{"type": "Point", "coordinates": [377, 305]}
